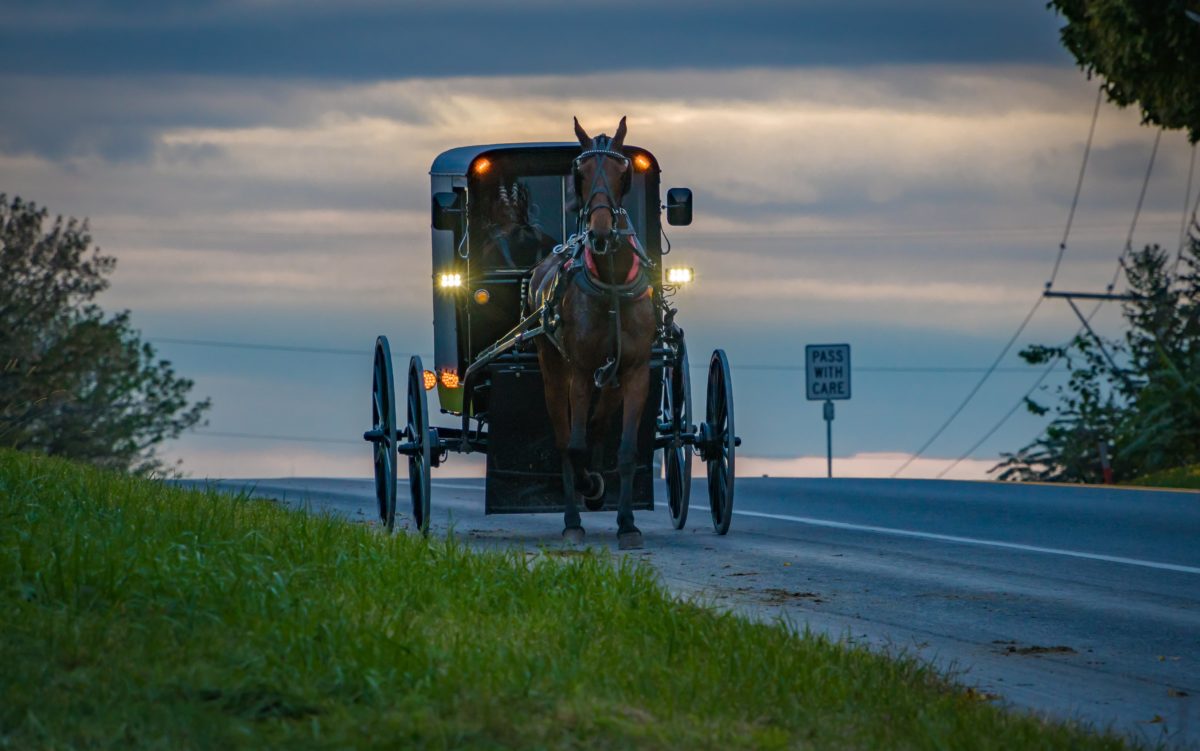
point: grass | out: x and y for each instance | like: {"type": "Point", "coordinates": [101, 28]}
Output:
{"type": "Point", "coordinates": [138, 615]}
{"type": "Point", "coordinates": [1187, 478]}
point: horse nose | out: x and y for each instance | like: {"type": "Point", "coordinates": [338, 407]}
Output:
{"type": "Point", "coordinates": [601, 229]}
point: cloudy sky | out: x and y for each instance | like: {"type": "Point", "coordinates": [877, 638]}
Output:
{"type": "Point", "coordinates": [892, 175]}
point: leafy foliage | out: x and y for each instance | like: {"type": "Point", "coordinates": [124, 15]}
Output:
{"type": "Point", "coordinates": [1180, 477]}
{"type": "Point", "coordinates": [73, 381]}
{"type": "Point", "coordinates": [1143, 404]}
{"type": "Point", "coordinates": [1147, 52]}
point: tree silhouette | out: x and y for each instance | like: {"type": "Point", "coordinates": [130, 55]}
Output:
{"type": "Point", "coordinates": [73, 381]}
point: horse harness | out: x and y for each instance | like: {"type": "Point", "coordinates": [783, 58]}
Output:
{"type": "Point", "coordinates": [579, 268]}
{"type": "Point", "coordinates": [602, 149]}
{"type": "Point", "coordinates": [577, 265]}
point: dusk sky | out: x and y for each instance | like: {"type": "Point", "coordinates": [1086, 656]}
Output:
{"type": "Point", "coordinates": [891, 175]}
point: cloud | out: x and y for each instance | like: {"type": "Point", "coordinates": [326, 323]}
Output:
{"type": "Point", "coordinates": [947, 186]}
{"type": "Point", "coordinates": [125, 118]}
{"type": "Point", "coordinates": [913, 211]}
{"type": "Point", "coordinates": [374, 40]}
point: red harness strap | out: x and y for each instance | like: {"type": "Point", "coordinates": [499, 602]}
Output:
{"type": "Point", "coordinates": [590, 262]}
{"type": "Point", "coordinates": [591, 265]}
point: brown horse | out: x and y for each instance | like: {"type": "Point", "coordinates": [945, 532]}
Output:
{"type": "Point", "coordinates": [596, 356]}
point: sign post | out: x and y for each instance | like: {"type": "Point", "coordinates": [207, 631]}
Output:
{"type": "Point", "coordinates": [827, 370]}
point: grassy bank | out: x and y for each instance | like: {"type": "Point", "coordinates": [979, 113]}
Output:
{"type": "Point", "coordinates": [1186, 478]}
{"type": "Point", "coordinates": [138, 615]}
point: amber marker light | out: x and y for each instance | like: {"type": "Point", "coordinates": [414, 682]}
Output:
{"type": "Point", "coordinates": [642, 162]}
{"type": "Point", "coordinates": [430, 379]}
{"type": "Point", "coordinates": [450, 379]}
{"type": "Point", "coordinates": [481, 166]}
{"type": "Point", "coordinates": [679, 275]}
{"type": "Point", "coordinates": [449, 280]}
{"type": "Point", "coordinates": [482, 296]}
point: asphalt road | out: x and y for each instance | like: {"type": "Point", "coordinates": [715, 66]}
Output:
{"type": "Point", "coordinates": [1080, 603]}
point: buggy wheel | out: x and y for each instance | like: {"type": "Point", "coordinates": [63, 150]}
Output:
{"type": "Point", "coordinates": [677, 416]}
{"type": "Point", "coordinates": [383, 432]}
{"type": "Point", "coordinates": [718, 442]}
{"type": "Point", "coordinates": [419, 437]}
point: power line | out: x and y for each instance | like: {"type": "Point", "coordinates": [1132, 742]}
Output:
{"type": "Point", "coordinates": [696, 365]}
{"type": "Point", "coordinates": [1062, 247]}
{"type": "Point", "coordinates": [889, 368]}
{"type": "Point", "coordinates": [1116, 274]}
{"type": "Point", "coordinates": [1137, 212]}
{"type": "Point", "coordinates": [1024, 398]}
{"type": "Point", "coordinates": [1087, 150]}
{"type": "Point", "coordinates": [269, 437]}
{"type": "Point", "coordinates": [870, 368]}
{"type": "Point", "coordinates": [267, 347]}
{"type": "Point", "coordinates": [962, 405]}
{"type": "Point", "coordinates": [882, 232]}
{"type": "Point", "coordinates": [1187, 201]}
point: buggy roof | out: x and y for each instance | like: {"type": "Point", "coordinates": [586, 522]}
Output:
{"type": "Point", "coordinates": [458, 160]}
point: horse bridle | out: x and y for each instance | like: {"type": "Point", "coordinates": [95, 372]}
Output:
{"type": "Point", "coordinates": [600, 187]}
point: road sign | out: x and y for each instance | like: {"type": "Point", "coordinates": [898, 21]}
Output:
{"type": "Point", "coordinates": [828, 370]}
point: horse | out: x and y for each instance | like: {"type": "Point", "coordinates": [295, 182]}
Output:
{"type": "Point", "coordinates": [595, 354]}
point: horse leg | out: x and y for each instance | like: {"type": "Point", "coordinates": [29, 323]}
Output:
{"type": "Point", "coordinates": [636, 384]}
{"type": "Point", "coordinates": [588, 484]}
{"type": "Point", "coordinates": [607, 402]}
{"type": "Point", "coordinates": [559, 410]}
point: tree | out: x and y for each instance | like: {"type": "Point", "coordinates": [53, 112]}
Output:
{"type": "Point", "coordinates": [1148, 53]}
{"type": "Point", "coordinates": [1143, 405]}
{"type": "Point", "coordinates": [74, 382]}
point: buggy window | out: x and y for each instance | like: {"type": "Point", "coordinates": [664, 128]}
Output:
{"type": "Point", "coordinates": [515, 222]}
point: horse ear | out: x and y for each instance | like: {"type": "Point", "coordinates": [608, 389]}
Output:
{"type": "Point", "coordinates": [584, 139]}
{"type": "Point", "coordinates": [619, 138]}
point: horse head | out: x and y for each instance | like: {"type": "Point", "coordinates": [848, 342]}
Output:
{"type": "Point", "coordinates": [602, 176]}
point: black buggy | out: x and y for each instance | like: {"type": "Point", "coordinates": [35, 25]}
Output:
{"type": "Point", "coordinates": [486, 372]}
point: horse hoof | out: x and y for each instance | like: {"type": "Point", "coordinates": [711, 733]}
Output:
{"type": "Point", "coordinates": [573, 535]}
{"type": "Point", "coordinates": [629, 540]}
{"type": "Point", "coordinates": [594, 501]}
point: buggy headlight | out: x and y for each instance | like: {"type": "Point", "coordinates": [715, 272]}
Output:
{"type": "Point", "coordinates": [449, 280]}
{"type": "Point", "coordinates": [679, 275]}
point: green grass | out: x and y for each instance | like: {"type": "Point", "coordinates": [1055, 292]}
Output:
{"type": "Point", "coordinates": [138, 615]}
{"type": "Point", "coordinates": [1187, 478]}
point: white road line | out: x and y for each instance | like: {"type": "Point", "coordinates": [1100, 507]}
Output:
{"type": "Point", "coordinates": [970, 541]}
{"type": "Point", "coordinates": [452, 486]}
{"type": "Point", "coordinates": [928, 536]}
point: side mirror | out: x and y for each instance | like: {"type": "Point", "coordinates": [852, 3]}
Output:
{"type": "Point", "coordinates": [679, 207]}
{"type": "Point", "coordinates": [446, 210]}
